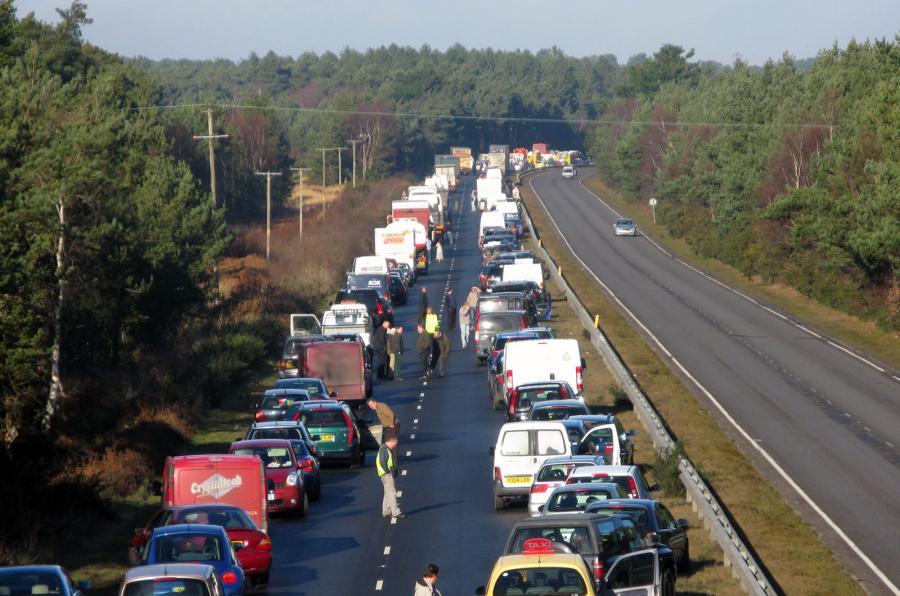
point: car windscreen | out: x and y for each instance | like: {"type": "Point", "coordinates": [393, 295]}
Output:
{"type": "Point", "coordinates": [500, 323]}
{"type": "Point", "coordinates": [362, 281]}
{"type": "Point", "coordinates": [322, 417]}
{"type": "Point", "coordinates": [166, 586]}
{"type": "Point", "coordinates": [575, 501]}
{"type": "Point", "coordinates": [576, 538]}
{"type": "Point", "coordinates": [542, 580]}
{"type": "Point", "coordinates": [555, 412]}
{"type": "Point", "coordinates": [529, 397]}
{"type": "Point", "coordinates": [23, 582]}
{"type": "Point", "coordinates": [311, 386]}
{"type": "Point", "coordinates": [367, 297]}
{"type": "Point", "coordinates": [189, 548]}
{"type": "Point", "coordinates": [622, 481]}
{"type": "Point", "coordinates": [512, 287]}
{"type": "Point", "coordinates": [554, 473]}
{"type": "Point", "coordinates": [638, 515]}
{"type": "Point", "coordinates": [275, 433]}
{"type": "Point", "coordinates": [598, 438]}
{"type": "Point", "coordinates": [228, 518]}
{"type": "Point", "coordinates": [279, 402]}
{"type": "Point", "coordinates": [499, 303]}
{"type": "Point", "coordinates": [272, 457]}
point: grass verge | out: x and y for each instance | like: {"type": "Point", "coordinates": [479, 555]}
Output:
{"type": "Point", "coordinates": [794, 555]}
{"type": "Point", "coordinates": [864, 335]}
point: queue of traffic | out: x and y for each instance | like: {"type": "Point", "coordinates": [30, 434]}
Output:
{"type": "Point", "coordinates": [593, 526]}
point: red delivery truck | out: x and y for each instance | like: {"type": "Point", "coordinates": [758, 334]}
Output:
{"type": "Point", "coordinates": [238, 480]}
{"type": "Point", "coordinates": [340, 364]}
{"type": "Point", "coordinates": [414, 210]}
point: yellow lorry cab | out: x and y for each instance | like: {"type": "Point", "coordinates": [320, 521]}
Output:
{"type": "Point", "coordinates": [540, 569]}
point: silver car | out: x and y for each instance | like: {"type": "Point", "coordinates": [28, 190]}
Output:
{"type": "Point", "coordinates": [625, 227]}
{"type": "Point", "coordinates": [183, 578]}
{"type": "Point", "coordinates": [574, 498]}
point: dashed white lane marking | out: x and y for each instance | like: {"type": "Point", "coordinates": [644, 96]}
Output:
{"type": "Point", "coordinates": [380, 583]}
{"type": "Point", "coordinates": [765, 454]}
{"type": "Point", "coordinates": [419, 407]}
{"type": "Point", "coordinates": [408, 453]}
{"type": "Point", "coordinates": [424, 383]}
{"type": "Point", "coordinates": [422, 394]}
{"type": "Point", "coordinates": [412, 436]}
{"type": "Point", "coordinates": [403, 472]}
{"type": "Point", "coordinates": [393, 520]}
{"type": "Point", "coordinates": [415, 420]}
{"type": "Point", "coordinates": [399, 493]}
{"type": "Point", "coordinates": [387, 550]}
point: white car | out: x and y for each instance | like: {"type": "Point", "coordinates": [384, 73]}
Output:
{"type": "Point", "coordinates": [552, 474]}
{"type": "Point", "coordinates": [568, 172]}
{"type": "Point", "coordinates": [521, 449]}
{"type": "Point", "coordinates": [625, 227]}
{"type": "Point", "coordinates": [574, 498]}
{"type": "Point", "coordinates": [628, 477]}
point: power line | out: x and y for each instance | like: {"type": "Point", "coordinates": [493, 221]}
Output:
{"type": "Point", "coordinates": [465, 117]}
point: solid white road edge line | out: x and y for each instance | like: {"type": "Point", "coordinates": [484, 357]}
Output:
{"type": "Point", "coordinates": [379, 584]}
{"type": "Point", "coordinates": [765, 454]}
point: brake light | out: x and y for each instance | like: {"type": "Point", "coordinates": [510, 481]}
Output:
{"type": "Point", "coordinates": [264, 544]}
{"type": "Point", "coordinates": [632, 487]}
{"type": "Point", "coordinates": [281, 364]}
{"type": "Point", "coordinates": [509, 380]}
{"type": "Point", "coordinates": [497, 475]}
{"type": "Point", "coordinates": [597, 567]}
{"type": "Point", "coordinates": [524, 324]}
{"type": "Point", "coordinates": [229, 577]}
{"type": "Point", "coordinates": [351, 432]}
{"type": "Point", "coordinates": [539, 488]}
{"type": "Point", "coordinates": [512, 400]}
{"type": "Point", "coordinates": [578, 380]}
{"type": "Point", "coordinates": [306, 464]}
{"type": "Point", "coordinates": [379, 309]}
{"type": "Point", "coordinates": [260, 416]}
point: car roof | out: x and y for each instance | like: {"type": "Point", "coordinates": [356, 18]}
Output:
{"type": "Point", "coordinates": [31, 569]}
{"type": "Point", "coordinates": [522, 333]}
{"type": "Point", "coordinates": [601, 418]}
{"type": "Point", "coordinates": [180, 570]}
{"type": "Point", "coordinates": [205, 506]}
{"type": "Point", "coordinates": [299, 379]}
{"type": "Point", "coordinates": [507, 562]}
{"type": "Point", "coordinates": [261, 443]}
{"type": "Point", "coordinates": [189, 529]}
{"type": "Point", "coordinates": [538, 384]}
{"type": "Point", "coordinates": [276, 424]}
{"type": "Point", "coordinates": [642, 503]}
{"type": "Point", "coordinates": [586, 486]}
{"type": "Point", "coordinates": [557, 403]}
{"type": "Point", "coordinates": [563, 519]}
{"type": "Point", "coordinates": [496, 313]}
{"type": "Point", "coordinates": [588, 470]}
{"type": "Point", "coordinates": [285, 391]}
{"type": "Point", "coordinates": [499, 295]}
{"type": "Point", "coordinates": [570, 459]}
{"type": "Point", "coordinates": [322, 403]}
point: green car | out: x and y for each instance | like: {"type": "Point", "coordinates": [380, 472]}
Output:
{"type": "Point", "coordinates": [338, 433]}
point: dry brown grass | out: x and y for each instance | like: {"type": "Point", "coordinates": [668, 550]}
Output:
{"type": "Point", "coordinates": [794, 555]}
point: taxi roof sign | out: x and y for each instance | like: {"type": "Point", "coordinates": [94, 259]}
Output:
{"type": "Point", "coordinates": [538, 546]}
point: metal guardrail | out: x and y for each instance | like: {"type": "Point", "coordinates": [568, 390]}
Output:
{"type": "Point", "coordinates": [744, 566]}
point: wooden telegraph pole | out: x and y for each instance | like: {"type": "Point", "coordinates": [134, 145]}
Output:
{"type": "Point", "coordinates": [268, 176]}
{"type": "Point", "coordinates": [300, 171]}
{"type": "Point", "coordinates": [353, 143]}
{"type": "Point", "coordinates": [210, 137]}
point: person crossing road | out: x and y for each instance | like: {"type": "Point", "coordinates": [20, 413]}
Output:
{"type": "Point", "coordinates": [386, 466]}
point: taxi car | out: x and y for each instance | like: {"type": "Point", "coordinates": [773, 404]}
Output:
{"type": "Point", "coordinates": [540, 569]}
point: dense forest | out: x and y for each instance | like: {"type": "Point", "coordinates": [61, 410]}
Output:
{"type": "Point", "coordinates": [111, 330]}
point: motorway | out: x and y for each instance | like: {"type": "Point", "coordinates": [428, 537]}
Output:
{"type": "Point", "coordinates": [829, 420]}
{"type": "Point", "coordinates": [344, 546]}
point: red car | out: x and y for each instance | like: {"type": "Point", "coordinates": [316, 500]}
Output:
{"type": "Point", "coordinates": [253, 547]}
{"type": "Point", "coordinates": [285, 490]}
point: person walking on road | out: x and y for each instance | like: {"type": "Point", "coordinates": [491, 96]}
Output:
{"type": "Point", "coordinates": [425, 585]}
{"type": "Point", "coordinates": [439, 252]}
{"type": "Point", "coordinates": [472, 299]}
{"type": "Point", "coordinates": [423, 305]}
{"type": "Point", "coordinates": [435, 353]}
{"type": "Point", "coordinates": [395, 352]}
{"type": "Point", "coordinates": [423, 349]}
{"type": "Point", "coordinates": [443, 341]}
{"type": "Point", "coordinates": [451, 311]}
{"type": "Point", "coordinates": [464, 314]}
{"type": "Point", "coordinates": [389, 352]}
{"type": "Point", "coordinates": [474, 197]}
{"type": "Point", "coordinates": [379, 343]}
{"type": "Point", "coordinates": [387, 472]}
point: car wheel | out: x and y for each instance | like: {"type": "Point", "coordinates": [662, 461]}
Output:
{"type": "Point", "coordinates": [668, 582]}
{"type": "Point", "coordinates": [259, 581]}
{"type": "Point", "coordinates": [304, 505]}
{"type": "Point", "coordinates": [684, 564]}
{"type": "Point", "coordinates": [361, 460]}
{"type": "Point", "coordinates": [316, 493]}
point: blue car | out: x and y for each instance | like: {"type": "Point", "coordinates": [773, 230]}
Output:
{"type": "Point", "coordinates": [196, 543]}
{"type": "Point", "coordinates": [39, 579]}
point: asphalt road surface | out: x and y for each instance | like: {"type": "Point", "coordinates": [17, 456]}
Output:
{"type": "Point", "coordinates": [829, 420]}
{"type": "Point", "coordinates": [344, 546]}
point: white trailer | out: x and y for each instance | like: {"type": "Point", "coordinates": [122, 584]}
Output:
{"type": "Point", "coordinates": [398, 243]}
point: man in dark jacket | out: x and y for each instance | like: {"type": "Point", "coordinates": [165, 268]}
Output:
{"type": "Point", "coordinates": [423, 305]}
{"type": "Point", "coordinates": [423, 349]}
{"type": "Point", "coordinates": [452, 310]}
{"type": "Point", "coordinates": [395, 352]}
{"type": "Point", "coordinates": [443, 341]}
{"type": "Point", "coordinates": [379, 344]}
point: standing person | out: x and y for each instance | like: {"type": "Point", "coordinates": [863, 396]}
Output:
{"type": "Point", "coordinates": [423, 304]}
{"type": "Point", "coordinates": [435, 352]}
{"type": "Point", "coordinates": [389, 421]}
{"type": "Point", "coordinates": [472, 299]}
{"type": "Point", "coordinates": [464, 314]}
{"type": "Point", "coordinates": [428, 245]}
{"type": "Point", "coordinates": [474, 196]}
{"type": "Point", "coordinates": [379, 343]}
{"type": "Point", "coordinates": [425, 584]}
{"type": "Point", "coordinates": [443, 341]}
{"type": "Point", "coordinates": [432, 322]}
{"type": "Point", "coordinates": [397, 354]}
{"type": "Point", "coordinates": [423, 348]}
{"type": "Point", "coordinates": [451, 311]}
{"type": "Point", "coordinates": [387, 472]}
{"type": "Point", "coordinates": [390, 371]}
{"type": "Point", "coordinates": [439, 252]}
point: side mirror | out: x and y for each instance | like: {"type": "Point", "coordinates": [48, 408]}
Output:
{"type": "Point", "coordinates": [653, 488]}
{"type": "Point", "coordinates": [583, 364]}
{"type": "Point", "coordinates": [491, 450]}
{"type": "Point", "coordinates": [480, 591]}
{"type": "Point", "coordinates": [631, 433]}
{"type": "Point", "coordinates": [332, 394]}
{"type": "Point", "coordinates": [683, 523]}
{"type": "Point", "coordinates": [156, 488]}
{"type": "Point", "coordinates": [653, 537]}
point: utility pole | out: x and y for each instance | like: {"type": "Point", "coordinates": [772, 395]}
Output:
{"type": "Point", "coordinates": [323, 150]}
{"type": "Point", "coordinates": [268, 176]}
{"type": "Point", "coordinates": [353, 143]}
{"type": "Point", "coordinates": [300, 171]}
{"type": "Point", "coordinates": [340, 170]}
{"type": "Point", "coordinates": [210, 137]}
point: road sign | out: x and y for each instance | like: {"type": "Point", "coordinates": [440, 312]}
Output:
{"type": "Point", "coordinates": [653, 202]}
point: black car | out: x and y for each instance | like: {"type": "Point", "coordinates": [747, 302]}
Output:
{"type": "Point", "coordinates": [379, 308]}
{"type": "Point", "coordinates": [398, 289]}
{"type": "Point", "coordinates": [557, 409]}
{"type": "Point", "coordinates": [654, 521]}
{"type": "Point", "coordinates": [596, 538]}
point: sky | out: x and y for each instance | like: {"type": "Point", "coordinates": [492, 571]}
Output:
{"type": "Point", "coordinates": [722, 30]}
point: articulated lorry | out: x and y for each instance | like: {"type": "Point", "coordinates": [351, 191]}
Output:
{"type": "Point", "coordinates": [466, 162]}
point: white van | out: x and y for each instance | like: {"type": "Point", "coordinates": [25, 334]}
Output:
{"type": "Point", "coordinates": [490, 219]}
{"type": "Point", "coordinates": [370, 265]}
{"type": "Point", "coordinates": [521, 449]}
{"type": "Point", "coordinates": [517, 271]}
{"type": "Point", "coordinates": [537, 360]}
{"type": "Point", "coordinates": [506, 206]}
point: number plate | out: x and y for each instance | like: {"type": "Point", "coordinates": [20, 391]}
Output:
{"type": "Point", "coordinates": [328, 437]}
{"type": "Point", "coordinates": [271, 496]}
{"type": "Point", "coordinates": [517, 479]}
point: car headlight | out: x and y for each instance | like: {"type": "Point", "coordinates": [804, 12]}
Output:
{"type": "Point", "coordinates": [291, 479]}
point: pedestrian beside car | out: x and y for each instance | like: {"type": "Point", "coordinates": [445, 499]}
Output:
{"type": "Point", "coordinates": [396, 353]}
{"type": "Point", "coordinates": [449, 237]}
{"type": "Point", "coordinates": [451, 311]}
{"type": "Point", "coordinates": [423, 349]}
{"type": "Point", "coordinates": [386, 466]}
{"type": "Point", "coordinates": [432, 322]}
{"type": "Point", "coordinates": [389, 350]}
{"type": "Point", "coordinates": [423, 305]}
{"type": "Point", "coordinates": [379, 344]}
{"type": "Point", "coordinates": [464, 322]}
{"type": "Point", "coordinates": [474, 196]}
{"type": "Point", "coordinates": [439, 251]}
{"type": "Point", "coordinates": [425, 585]}
{"type": "Point", "coordinates": [443, 341]}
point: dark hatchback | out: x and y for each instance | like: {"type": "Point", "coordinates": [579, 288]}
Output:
{"type": "Point", "coordinates": [524, 396]}
{"type": "Point", "coordinates": [379, 308]}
